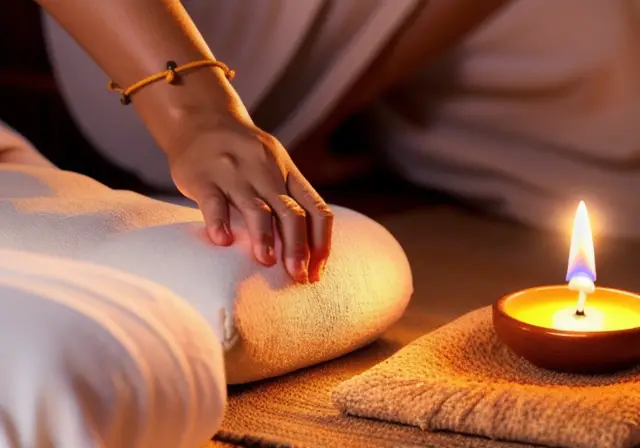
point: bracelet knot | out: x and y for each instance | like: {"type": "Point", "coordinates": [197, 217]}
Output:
{"type": "Point", "coordinates": [170, 75]}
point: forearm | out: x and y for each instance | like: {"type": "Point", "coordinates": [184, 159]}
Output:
{"type": "Point", "coordinates": [132, 39]}
{"type": "Point", "coordinates": [435, 28]}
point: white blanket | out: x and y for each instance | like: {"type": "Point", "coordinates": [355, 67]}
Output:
{"type": "Point", "coordinates": [267, 325]}
{"type": "Point", "coordinates": [93, 357]}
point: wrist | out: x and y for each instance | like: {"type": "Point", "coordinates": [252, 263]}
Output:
{"type": "Point", "coordinates": [174, 112]}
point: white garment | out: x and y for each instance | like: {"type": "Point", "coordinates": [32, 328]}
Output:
{"type": "Point", "coordinates": [93, 357]}
{"type": "Point", "coordinates": [538, 109]}
{"type": "Point", "coordinates": [266, 42]}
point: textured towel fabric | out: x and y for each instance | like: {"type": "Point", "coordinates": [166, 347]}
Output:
{"type": "Point", "coordinates": [296, 410]}
{"type": "Point", "coordinates": [267, 325]}
{"type": "Point", "coordinates": [461, 378]}
{"type": "Point", "coordinates": [444, 244]}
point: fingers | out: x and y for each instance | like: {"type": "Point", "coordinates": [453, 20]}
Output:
{"type": "Point", "coordinates": [259, 221]}
{"type": "Point", "coordinates": [319, 220]}
{"type": "Point", "coordinates": [215, 211]}
{"type": "Point", "coordinates": [255, 212]}
{"type": "Point", "coordinates": [303, 218]}
{"type": "Point", "coordinates": [293, 230]}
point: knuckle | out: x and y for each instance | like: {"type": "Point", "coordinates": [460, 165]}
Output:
{"type": "Point", "coordinates": [323, 212]}
{"type": "Point", "coordinates": [214, 201]}
{"type": "Point", "coordinates": [227, 160]}
{"type": "Point", "coordinates": [319, 207]}
{"type": "Point", "coordinates": [268, 139]}
{"type": "Point", "coordinates": [260, 154]}
{"type": "Point", "coordinates": [256, 206]}
{"type": "Point", "coordinates": [291, 208]}
{"type": "Point", "coordinates": [294, 215]}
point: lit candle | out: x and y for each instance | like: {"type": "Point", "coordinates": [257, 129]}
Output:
{"type": "Point", "coordinates": [579, 306]}
{"type": "Point", "coordinates": [554, 307]}
{"type": "Point", "coordinates": [574, 327]}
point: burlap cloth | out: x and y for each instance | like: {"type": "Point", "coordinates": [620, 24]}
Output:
{"type": "Point", "coordinates": [296, 410]}
{"type": "Point", "coordinates": [442, 244]}
{"type": "Point", "coordinates": [462, 378]}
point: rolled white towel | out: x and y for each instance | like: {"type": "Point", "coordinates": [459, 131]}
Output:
{"type": "Point", "coordinates": [267, 325]}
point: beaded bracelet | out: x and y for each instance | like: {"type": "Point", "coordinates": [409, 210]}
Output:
{"type": "Point", "coordinates": [170, 75]}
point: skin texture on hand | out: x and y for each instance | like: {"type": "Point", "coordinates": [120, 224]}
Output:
{"type": "Point", "coordinates": [217, 156]}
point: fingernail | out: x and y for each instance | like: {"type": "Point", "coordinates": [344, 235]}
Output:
{"type": "Point", "coordinates": [319, 271]}
{"type": "Point", "coordinates": [226, 229]}
{"type": "Point", "coordinates": [265, 254]}
{"type": "Point", "coordinates": [298, 270]}
{"type": "Point", "coordinates": [221, 234]}
{"type": "Point", "coordinates": [303, 272]}
{"type": "Point", "coordinates": [271, 253]}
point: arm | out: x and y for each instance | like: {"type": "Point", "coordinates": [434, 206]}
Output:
{"type": "Point", "coordinates": [217, 156]}
{"type": "Point", "coordinates": [132, 39]}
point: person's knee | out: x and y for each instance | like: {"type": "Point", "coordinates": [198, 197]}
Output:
{"type": "Point", "coordinates": [93, 357]}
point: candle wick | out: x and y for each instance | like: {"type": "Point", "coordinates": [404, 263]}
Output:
{"type": "Point", "coordinates": [582, 298]}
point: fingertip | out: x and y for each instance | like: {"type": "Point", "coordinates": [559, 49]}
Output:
{"type": "Point", "coordinates": [215, 211]}
{"type": "Point", "coordinates": [220, 234]}
{"type": "Point", "coordinates": [316, 271]}
{"type": "Point", "coordinates": [298, 270]}
{"type": "Point", "coordinates": [271, 255]}
{"type": "Point", "coordinates": [264, 254]}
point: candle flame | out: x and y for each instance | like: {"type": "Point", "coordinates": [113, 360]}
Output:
{"type": "Point", "coordinates": [581, 271]}
{"type": "Point", "coordinates": [582, 260]}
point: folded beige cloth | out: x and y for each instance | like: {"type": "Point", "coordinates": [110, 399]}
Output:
{"type": "Point", "coordinates": [461, 378]}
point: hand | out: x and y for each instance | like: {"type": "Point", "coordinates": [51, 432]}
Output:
{"type": "Point", "coordinates": [232, 162]}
